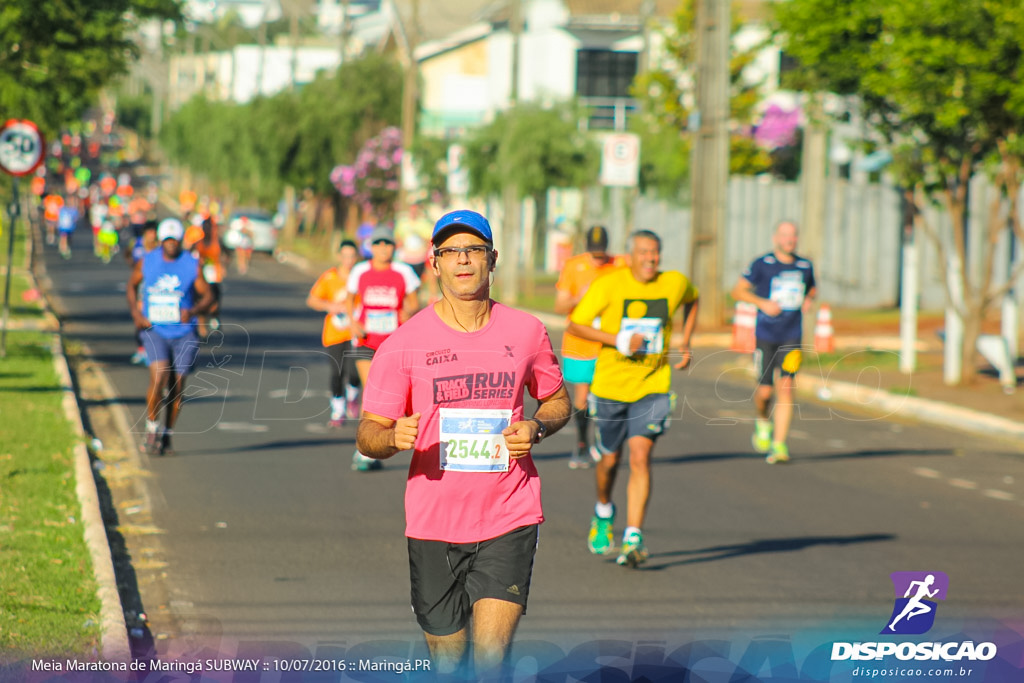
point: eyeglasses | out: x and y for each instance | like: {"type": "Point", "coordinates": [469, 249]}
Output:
{"type": "Point", "coordinates": [476, 251]}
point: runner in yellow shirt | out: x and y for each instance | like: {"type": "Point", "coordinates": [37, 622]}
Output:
{"type": "Point", "coordinates": [632, 387]}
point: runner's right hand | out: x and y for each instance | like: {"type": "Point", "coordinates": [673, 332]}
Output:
{"type": "Point", "coordinates": [770, 308]}
{"type": "Point", "coordinates": [406, 429]}
{"type": "Point", "coordinates": [141, 321]}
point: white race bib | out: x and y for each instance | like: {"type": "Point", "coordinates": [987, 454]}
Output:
{"type": "Point", "coordinates": [381, 322]}
{"type": "Point", "coordinates": [650, 329]}
{"type": "Point", "coordinates": [788, 292]}
{"type": "Point", "coordinates": [210, 273]}
{"type": "Point", "coordinates": [165, 307]}
{"type": "Point", "coordinates": [471, 440]}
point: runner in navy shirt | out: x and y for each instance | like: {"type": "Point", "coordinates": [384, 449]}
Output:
{"type": "Point", "coordinates": [781, 285]}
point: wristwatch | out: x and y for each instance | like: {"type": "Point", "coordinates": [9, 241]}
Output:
{"type": "Point", "coordinates": [542, 429]}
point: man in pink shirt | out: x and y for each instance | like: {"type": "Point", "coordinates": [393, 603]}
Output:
{"type": "Point", "coordinates": [449, 385]}
{"type": "Point", "coordinates": [381, 296]}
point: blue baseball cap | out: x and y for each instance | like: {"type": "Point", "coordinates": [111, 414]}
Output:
{"type": "Point", "coordinates": [462, 220]}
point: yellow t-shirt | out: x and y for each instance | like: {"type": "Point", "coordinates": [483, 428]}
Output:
{"type": "Point", "coordinates": [622, 302]}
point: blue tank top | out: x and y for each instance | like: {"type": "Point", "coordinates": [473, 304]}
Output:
{"type": "Point", "coordinates": [167, 288]}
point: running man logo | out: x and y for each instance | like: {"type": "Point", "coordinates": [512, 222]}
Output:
{"type": "Point", "coordinates": [914, 611]}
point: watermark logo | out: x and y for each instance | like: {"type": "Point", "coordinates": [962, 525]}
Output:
{"type": "Point", "coordinates": [916, 593]}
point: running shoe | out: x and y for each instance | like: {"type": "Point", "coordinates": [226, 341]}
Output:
{"type": "Point", "coordinates": [360, 463]}
{"type": "Point", "coordinates": [779, 453]}
{"type": "Point", "coordinates": [634, 552]}
{"type": "Point", "coordinates": [762, 438]}
{"type": "Point", "coordinates": [152, 446]}
{"type": "Point", "coordinates": [580, 458]}
{"type": "Point", "coordinates": [165, 445]}
{"type": "Point", "coordinates": [214, 324]}
{"type": "Point", "coordinates": [336, 421]}
{"type": "Point", "coordinates": [601, 538]}
{"type": "Point", "coordinates": [139, 357]}
{"type": "Point", "coordinates": [352, 410]}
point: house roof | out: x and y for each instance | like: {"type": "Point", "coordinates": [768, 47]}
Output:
{"type": "Point", "coordinates": [439, 18]}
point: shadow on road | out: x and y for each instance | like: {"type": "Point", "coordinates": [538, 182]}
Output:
{"type": "Point", "coordinates": [768, 545]}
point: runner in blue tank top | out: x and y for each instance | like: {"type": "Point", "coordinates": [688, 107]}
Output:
{"type": "Point", "coordinates": [173, 292]}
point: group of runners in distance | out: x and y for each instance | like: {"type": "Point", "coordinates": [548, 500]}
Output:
{"type": "Point", "coordinates": [447, 381]}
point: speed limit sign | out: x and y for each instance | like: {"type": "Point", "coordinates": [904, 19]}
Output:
{"type": "Point", "coordinates": [21, 147]}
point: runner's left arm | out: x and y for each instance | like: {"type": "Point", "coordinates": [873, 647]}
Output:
{"type": "Point", "coordinates": [553, 411]}
{"type": "Point", "coordinates": [205, 294]}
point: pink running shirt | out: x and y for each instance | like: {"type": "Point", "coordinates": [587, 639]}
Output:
{"type": "Point", "coordinates": [425, 366]}
{"type": "Point", "coordinates": [381, 293]}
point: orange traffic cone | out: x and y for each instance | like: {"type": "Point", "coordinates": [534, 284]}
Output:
{"type": "Point", "coordinates": [744, 322]}
{"type": "Point", "coordinates": [824, 335]}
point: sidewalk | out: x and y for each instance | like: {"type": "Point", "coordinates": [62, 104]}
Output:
{"type": "Point", "coordinates": [872, 382]}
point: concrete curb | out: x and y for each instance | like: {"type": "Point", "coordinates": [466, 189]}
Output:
{"type": "Point", "coordinates": [114, 643]}
{"type": "Point", "coordinates": [113, 629]}
{"type": "Point", "coordinates": [924, 410]}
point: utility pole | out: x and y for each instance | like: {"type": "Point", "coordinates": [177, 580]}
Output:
{"type": "Point", "coordinates": [813, 167]}
{"type": "Point", "coordinates": [709, 172]}
{"type": "Point", "coordinates": [410, 94]}
{"type": "Point", "coordinates": [294, 31]}
{"type": "Point", "coordinates": [511, 220]}
{"type": "Point", "coordinates": [345, 33]}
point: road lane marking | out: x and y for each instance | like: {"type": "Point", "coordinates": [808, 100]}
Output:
{"type": "Point", "coordinates": [963, 484]}
{"type": "Point", "coordinates": [927, 472]}
{"type": "Point", "coordinates": [241, 427]}
{"type": "Point", "coordinates": [997, 494]}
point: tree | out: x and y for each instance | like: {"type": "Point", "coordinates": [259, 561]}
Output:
{"type": "Point", "coordinates": [538, 148]}
{"type": "Point", "coordinates": [941, 81]}
{"type": "Point", "coordinates": [55, 56]}
{"type": "Point", "coordinates": [666, 95]}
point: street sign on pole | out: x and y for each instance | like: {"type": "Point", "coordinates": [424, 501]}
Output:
{"type": "Point", "coordinates": [21, 151]}
{"type": "Point", "coordinates": [21, 147]}
{"type": "Point", "coordinates": [620, 160]}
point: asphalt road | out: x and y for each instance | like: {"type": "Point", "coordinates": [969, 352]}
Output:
{"type": "Point", "coordinates": [268, 541]}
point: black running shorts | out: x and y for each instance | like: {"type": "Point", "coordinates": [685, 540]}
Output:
{"type": "Point", "coordinates": [769, 356]}
{"type": "Point", "coordinates": [448, 578]}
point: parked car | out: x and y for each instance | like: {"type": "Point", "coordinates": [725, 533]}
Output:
{"type": "Point", "coordinates": [261, 228]}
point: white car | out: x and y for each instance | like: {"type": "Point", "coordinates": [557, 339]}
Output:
{"type": "Point", "coordinates": [260, 226]}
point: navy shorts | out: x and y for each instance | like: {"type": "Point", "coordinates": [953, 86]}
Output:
{"type": "Point", "coordinates": [180, 352]}
{"type": "Point", "coordinates": [616, 422]}
{"type": "Point", "coordinates": [448, 578]}
{"type": "Point", "coordinates": [769, 356]}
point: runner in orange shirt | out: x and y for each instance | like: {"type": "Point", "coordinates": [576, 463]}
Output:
{"type": "Point", "coordinates": [52, 204]}
{"type": "Point", "coordinates": [579, 356]}
{"type": "Point", "coordinates": [207, 250]}
{"type": "Point", "coordinates": [328, 296]}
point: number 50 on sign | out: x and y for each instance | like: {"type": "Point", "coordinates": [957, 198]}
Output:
{"type": "Point", "coordinates": [21, 147]}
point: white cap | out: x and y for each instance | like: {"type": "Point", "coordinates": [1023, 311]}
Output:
{"type": "Point", "coordinates": [170, 229]}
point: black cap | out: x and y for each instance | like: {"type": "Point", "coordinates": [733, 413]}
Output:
{"type": "Point", "coordinates": [597, 239]}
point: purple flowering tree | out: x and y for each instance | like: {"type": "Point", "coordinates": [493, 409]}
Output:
{"type": "Point", "coordinates": [372, 182]}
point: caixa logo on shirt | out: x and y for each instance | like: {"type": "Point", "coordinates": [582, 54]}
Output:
{"type": "Point", "coordinates": [474, 386]}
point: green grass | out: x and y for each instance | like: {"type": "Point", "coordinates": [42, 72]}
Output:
{"type": "Point", "coordinates": [20, 258]}
{"type": "Point", "coordinates": [48, 601]}
{"type": "Point", "coordinates": [857, 360]}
